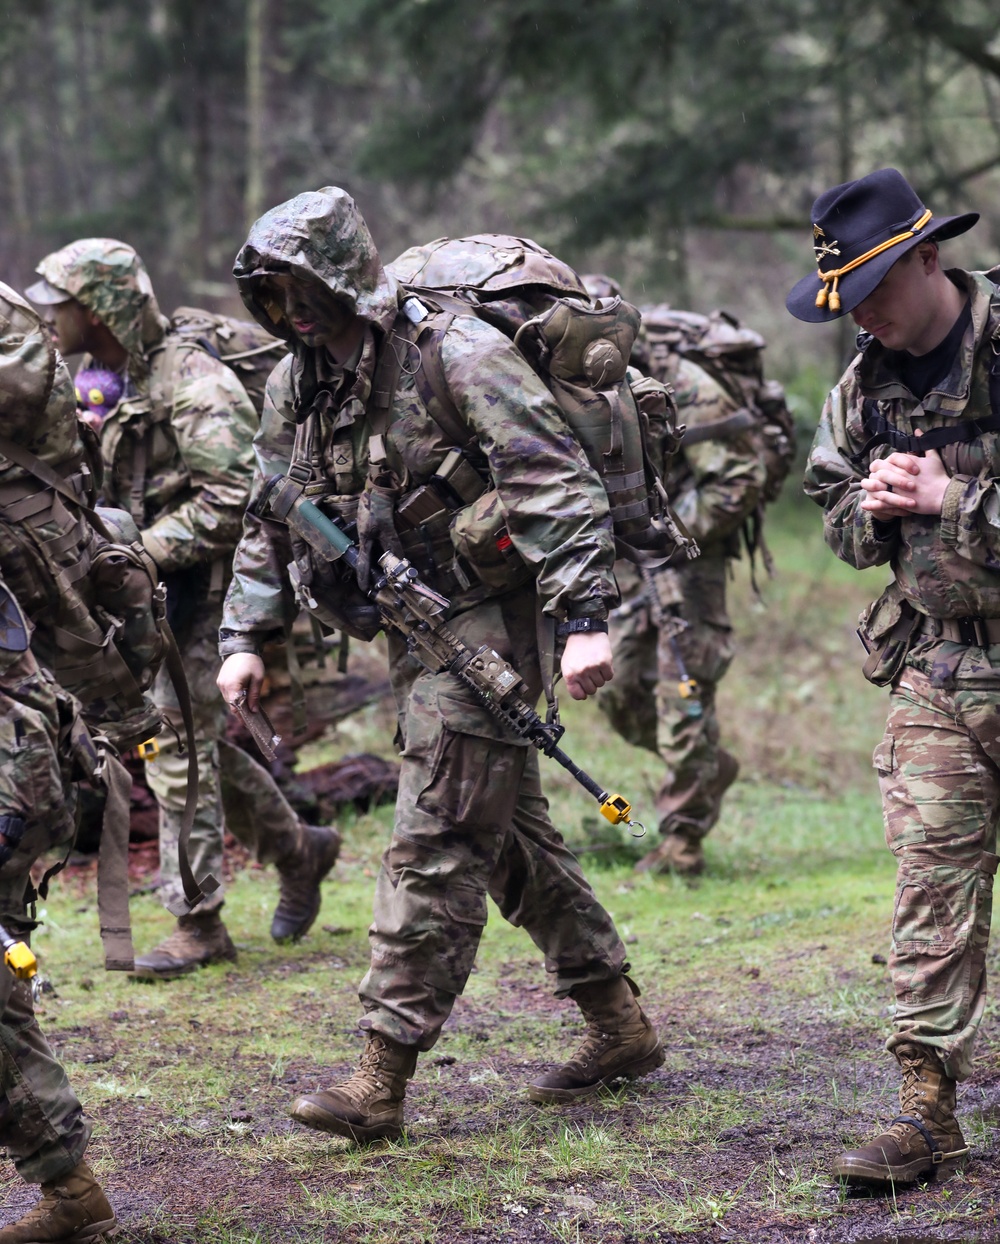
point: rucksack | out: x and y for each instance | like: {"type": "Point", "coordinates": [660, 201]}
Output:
{"type": "Point", "coordinates": [733, 356]}
{"type": "Point", "coordinates": [579, 348]}
{"type": "Point", "coordinates": [246, 348]}
{"type": "Point", "coordinates": [107, 610]}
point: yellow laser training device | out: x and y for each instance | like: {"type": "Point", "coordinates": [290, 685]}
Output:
{"type": "Point", "coordinates": [18, 956]}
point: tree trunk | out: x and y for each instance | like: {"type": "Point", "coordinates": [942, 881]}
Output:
{"type": "Point", "coordinates": [256, 159]}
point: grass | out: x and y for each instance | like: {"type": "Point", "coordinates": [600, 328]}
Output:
{"type": "Point", "coordinates": [760, 978]}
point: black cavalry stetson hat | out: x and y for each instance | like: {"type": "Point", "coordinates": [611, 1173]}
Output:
{"type": "Point", "coordinates": [860, 229]}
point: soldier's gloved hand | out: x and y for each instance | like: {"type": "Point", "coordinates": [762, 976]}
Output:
{"type": "Point", "coordinates": [376, 525]}
{"type": "Point", "coordinates": [241, 672]}
{"type": "Point", "coordinates": [586, 663]}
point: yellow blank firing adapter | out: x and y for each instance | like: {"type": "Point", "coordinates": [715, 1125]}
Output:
{"type": "Point", "coordinates": [148, 750]}
{"type": "Point", "coordinates": [616, 809]}
{"type": "Point", "coordinates": [18, 956]}
{"type": "Point", "coordinates": [687, 689]}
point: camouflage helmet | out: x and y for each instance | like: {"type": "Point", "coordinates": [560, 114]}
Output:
{"type": "Point", "coordinates": [108, 278]}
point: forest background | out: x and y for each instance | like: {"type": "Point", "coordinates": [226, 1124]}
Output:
{"type": "Point", "coordinates": [676, 145]}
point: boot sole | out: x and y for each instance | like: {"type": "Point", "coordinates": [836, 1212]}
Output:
{"type": "Point", "coordinates": [311, 1115]}
{"type": "Point", "coordinates": [87, 1235]}
{"type": "Point", "coordinates": [877, 1175]}
{"type": "Point", "coordinates": [642, 1066]}
{"type": "Point", "coordinates": [171, 974]}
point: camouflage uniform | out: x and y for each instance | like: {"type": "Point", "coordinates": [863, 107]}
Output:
{"type": "Point", "coordinates": [939, 762]}
{"type": "Point", "coordinates": [41, 1121]}
{"type": "Point", "coordinates": [177, 456]}
{"type": "Point", "coordinates": [714, 485]}
{"type": "Point", "coordinates": [470, 817]}
{"type": "Point", "coordinates": [42, 1127]}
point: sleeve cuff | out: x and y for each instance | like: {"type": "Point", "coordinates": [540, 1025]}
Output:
{"type": "Point", "coordinates": [231, 642]}
{"type": "Point", "coordinates": [880, 531]}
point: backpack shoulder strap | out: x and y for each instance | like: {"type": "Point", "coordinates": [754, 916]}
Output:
{"type": "Point", "coordinates": [432, 383]}
{"type": "Point", "coordinates": [43, 472]}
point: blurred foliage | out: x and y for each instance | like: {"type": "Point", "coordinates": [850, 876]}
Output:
{"type": "Point", "coordinates": [641, 134]}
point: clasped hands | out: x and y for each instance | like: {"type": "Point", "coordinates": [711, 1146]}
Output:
{"type": "Point", "coordinates": [905, 484]}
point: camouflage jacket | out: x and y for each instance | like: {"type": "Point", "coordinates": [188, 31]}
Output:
{"type": "Point", "coordinates": [945, 565]}
{"type": "Point", "coordinates": [714, 484]}
{"type": "Point", "coordinates": [554, 504]}
{"type": "Point", "coordinates": [177, 448]}
{"type": "Point", "coordinates": [38, 412]}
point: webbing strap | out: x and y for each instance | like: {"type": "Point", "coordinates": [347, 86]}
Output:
{"type": "Point", "coordinates": [194, 891]}
{"type": "Point", "coordinates": [112, 867]}
{"type": "Point", "coordinates": [41, 470]}
{"type": "Point", "coordinates": [296, 685]}
{"type": "Point", "coordinates": [545, 635]}
{"type": "Point", "coordinates": [881, 432]}
{"type": "Point", "coordinates": [137, 492]}
{"type": "Point", "coordinates": [432, 385]}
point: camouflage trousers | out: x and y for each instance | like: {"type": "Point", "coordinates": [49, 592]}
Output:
{"type": "Point", "coordinates": [939, 772]}
{"type": "Point", "coordinates": [471, 821]}
{"type": "Point", "coordinates": [42, 1127]}
{"type": "Point", "coordinates": [643, 702]}
{"type": "Point", "coordinates": [234, 791]}
{"type": "Point", "coordinates": [41, 1121]}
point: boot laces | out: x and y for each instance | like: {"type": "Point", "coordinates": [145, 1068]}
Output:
{"type": "Point", "coordinates": [595, 1042]}
{"type": "Point", "coordinates": [42, 1209]}
{"type": "Point", "coordinates": [367, 1078]}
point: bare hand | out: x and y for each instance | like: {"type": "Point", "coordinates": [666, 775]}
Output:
{"type": "Point", "coordinates": [905, 484]}
{"type": "Point", "coordinates": [586, 663]}
{"type": "Point", "coordinates": [241, 673]}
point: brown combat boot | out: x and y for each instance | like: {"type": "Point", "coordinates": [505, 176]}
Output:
{"type": "Point", "coordinates": [923, 1139]}
{"type": "Point", "coordinates": [299, 877]}
{"type": "Point", "coordinates": [674, 853]}
{"type": "Point", "coordinates": [680, 851]}
{"type": "Point", "coordinates": [73, 1208]}
{"type": "Point", "coordinates": [620, 1043]}
{"type": "Point", "coordinates": [199, 939]}
{"type": "Point", "coordinates": [368, 1106]}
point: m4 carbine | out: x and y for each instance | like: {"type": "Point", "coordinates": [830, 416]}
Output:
{"type": "Point", "coordinates": [419, 614]}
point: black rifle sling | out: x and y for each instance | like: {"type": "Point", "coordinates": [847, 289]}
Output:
{"type": "Point", "coordinates": [880, 431]}
{"type": "Point", "coordinates": [193, 892]}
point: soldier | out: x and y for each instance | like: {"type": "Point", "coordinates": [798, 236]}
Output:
{"type": "Point", "coordinates": [905, 464]}
{"type": "Point", "coordinates": [345, 418]}
{"type": "Point", "coordinates": [177, 455]}
{"type": "Point", "coordinates": [41, 741]}
{"type": "Point", "coordinates": [671, 636]}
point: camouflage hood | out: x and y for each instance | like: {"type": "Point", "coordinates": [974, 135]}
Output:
{"type": "Point", "coordinates": [319, 234]}
{"type": "Point", "coordinates": [110, 279]}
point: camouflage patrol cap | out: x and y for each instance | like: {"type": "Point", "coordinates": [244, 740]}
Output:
{"type": "Point", "coordinates": [108, 278]}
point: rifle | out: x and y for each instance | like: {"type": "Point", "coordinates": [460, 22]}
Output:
{"type": "Point", "coordinates": [408, 606]}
